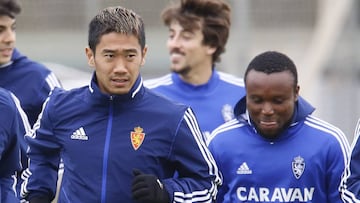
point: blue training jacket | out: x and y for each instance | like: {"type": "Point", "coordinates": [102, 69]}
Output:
{"type": "Point", "coordinates": [350, 187]}
{"type": "Point", "coordinates": [9, 147]}
{"type": "Point", "coordinates": [30, 81]}
{"type": "Point", "coordinates": [102, 138]}
{"type": "Point", "coordinates": [212, 102]}
{"type": "Point", "coordinates": [303, 164]}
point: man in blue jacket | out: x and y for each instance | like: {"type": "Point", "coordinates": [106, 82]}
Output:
{"type": "Point", "coordinates": [10, 132]}
{"type": "Point", "coordinates": [198, 32]}
{"type": "Point", "coordinates": [30, 81]}
{"type": "Point", "coordinates": [275, 150]}
{"type": "Point", "coordinates": [119, 141]}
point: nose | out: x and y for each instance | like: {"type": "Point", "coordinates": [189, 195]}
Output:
{"type": "Point", "coordinates": [267, 109]}
{"type": "Point", "coordinates": [9, 36]}
{"type": "Point", "coordinates": [173, 42]}
{"type": "Point", "coordinates": [120, 66]}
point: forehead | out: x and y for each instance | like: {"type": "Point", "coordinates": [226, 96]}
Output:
{"type": "Point", "coordinates": [118, 42]}
{"type": "Point", "coordinates": [6, 20]}
{"type": "Point", "coordinates": [278, 81]}
{"type": "Point", "coordinates": [177, 26]}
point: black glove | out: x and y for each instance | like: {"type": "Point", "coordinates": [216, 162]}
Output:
{"type": "Point", "coordinates": [39, 199]}
{"type": "Point", "coordinates": [148, 188]}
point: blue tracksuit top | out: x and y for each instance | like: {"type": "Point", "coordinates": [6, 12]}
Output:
{"type": "Point", "coordinates": [303, 164]}
{"type": "Point", "coordinates": [102, 138]}
{"type": "Point", "coordinates": [30, 81]}
{"type": "Point", "coordinates": [9, 147]}
{"type": "Point", "coordinates": [212, 102]}
{"type": "Point", "coordinates": [350, 187]}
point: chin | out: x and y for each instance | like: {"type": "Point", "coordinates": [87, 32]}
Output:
{"type": "Point", "coordinates": [269, 135]}
{"type": "Point", "coordinates": [4, 61]}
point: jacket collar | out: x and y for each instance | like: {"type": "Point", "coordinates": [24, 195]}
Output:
{"type": "Point", "coordinates": [136, 91]}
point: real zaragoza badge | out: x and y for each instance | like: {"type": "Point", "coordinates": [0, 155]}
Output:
{"type": "Point", "coordinates": [137, 137]}
{"type": "Point", "coordinates": [298, 166]}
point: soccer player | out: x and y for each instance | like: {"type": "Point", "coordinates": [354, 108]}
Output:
{"type": "Point", "coordinates": [276, 151]}
{"type": "Point", "coordinates": [119, 141]}
{"type": "Point", "coordinates": [30, 81]}
{"type": "Point", "coordinates": [198, 32]}
{"type": "Point", "coordinates": [10, 133]}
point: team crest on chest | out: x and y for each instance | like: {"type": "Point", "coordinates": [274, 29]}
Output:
{"type": "Point", "coordinates": [137, 137]}
{"type": "Point", "coordinates": [298, 166]}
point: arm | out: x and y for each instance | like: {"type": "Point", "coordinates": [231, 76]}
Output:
{"type": "Point", "coordinates": [223, 188]}
{"type": "Point", "coordinates": [337, 158]}
{"type": "Point", "coordinates": [44, 156]}
{"type": "Point", "coordinates": [350, 186]}
{"type": "Point", "coordinates": [198, 174]}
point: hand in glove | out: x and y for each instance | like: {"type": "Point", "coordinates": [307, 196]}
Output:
{"type": "Point", "coordinates": [148, 188]}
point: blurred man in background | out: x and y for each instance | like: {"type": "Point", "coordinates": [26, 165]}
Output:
{"type": "Point", "coordinates": [30, 81]}
{"type": "Point", "coordinates": [198, 32]}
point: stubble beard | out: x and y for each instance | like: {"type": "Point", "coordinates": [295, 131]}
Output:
{"type": "Point", "coordinates": [182, 71]}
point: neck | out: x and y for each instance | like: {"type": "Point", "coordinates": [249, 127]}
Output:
{"type": "Point", "coordinates": [197, 75]}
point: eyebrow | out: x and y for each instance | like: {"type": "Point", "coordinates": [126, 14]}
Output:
{"type": "Point", "coordinates": [130, 50]}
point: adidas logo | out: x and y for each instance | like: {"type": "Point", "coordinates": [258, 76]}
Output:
{"type": "Point", "coordinates": [244, 169]}
{"type": "Point", "coordinates": [79, 134]}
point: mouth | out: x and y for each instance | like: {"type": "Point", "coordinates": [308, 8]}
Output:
{"type": "Point", "coordinates": [268, 124]}
{"type": "Point", "coordinates": [176, 57]}
{"type": "Point", "coordinates": [119, 82]}
{"type": "Point", "coordinates": [6, 51]}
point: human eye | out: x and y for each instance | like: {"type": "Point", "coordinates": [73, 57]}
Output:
{"type": "Point", "coordinates": [278, 100]}
{"type": "Point", "coordinates": [171, 35]}
{"type": "Point", "coordinates": [131, 56]}
{"type": "Point", "coordinates": [109, 55]}
{"type": "Point", "coordinates": [187, 35]}
{"type": "Point", "coordinates": [255, 100]}
{"type": "Point", "coordinates": [13, 27]}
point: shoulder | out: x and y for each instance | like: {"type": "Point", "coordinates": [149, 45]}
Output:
{"type": "Point", "coordinates": [231, 79]}
{"type": "Point", "coordinates": [6, 98]}
{"type": "Point", "coordinates": [59, 96]}
{"type": "Point", "coordinates": [160, 81]}
{"type": "Point", "coordinates": [327, 131]}
{"type": "Point", "coordinates": [7, 103]}
{"type": "Point", "coordinates": [159, 100]}
{"type": "Point", "coordinates": [224, 129]}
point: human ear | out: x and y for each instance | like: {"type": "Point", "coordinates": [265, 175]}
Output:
{"type": "Point", "coordinates": [90, 56]}
{"type": "Point", "coordinates": [144, 51]}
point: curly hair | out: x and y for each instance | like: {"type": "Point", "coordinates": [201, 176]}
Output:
{"type": "Point", "coordinates": [212, 16]}
{"type": "Point", "coordinates": [9, 8]}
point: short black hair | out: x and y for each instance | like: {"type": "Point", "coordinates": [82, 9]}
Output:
{"type": "Point", "coordinates": [272, 62]}
{"type": "Point", "coordinates": [9, 8]}
{"type": "Point", "coordinates": [115, 19]}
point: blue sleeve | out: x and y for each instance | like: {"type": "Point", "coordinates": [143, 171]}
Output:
{"type": "Point", "coordinates": [198, 176]}
{"type": "Point", "coordinates": [8, 126]}
{"type": "Point", "coordinates": [336, 161]}
{"type": "Point", "coordinates": [223, 189]}
{"type": "Point", "coordinates": [350, 188]}
{"type": "Point", "coordinates": [44, 157]}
